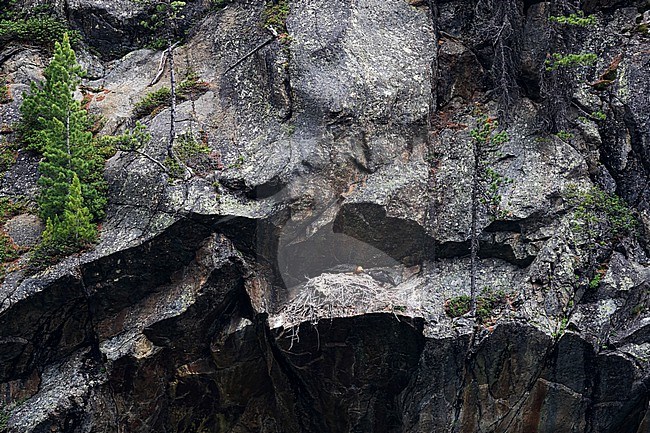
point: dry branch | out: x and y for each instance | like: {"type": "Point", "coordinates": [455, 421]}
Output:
{"type": "Point", "coordinates": [254, 50]}
{"type": "Point", "coordinates": [163, 62]}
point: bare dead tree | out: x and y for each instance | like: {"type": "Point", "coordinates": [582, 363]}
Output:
{"type": "Point", "coordinates": [164, 20]}
{"type": "Point", "coordinates": [485, 183]}
{"type": "Point", "coordinates": [557, 84]}
{"type": "Point", "coordinates": [172, 108]}
{"type": "Point", "coordinates": [500, 24]}
{"type": "Point", "coordinates": [474, 234]}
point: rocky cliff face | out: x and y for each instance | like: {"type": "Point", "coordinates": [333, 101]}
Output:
{"type": "Point", "coordinates": [232, 302]}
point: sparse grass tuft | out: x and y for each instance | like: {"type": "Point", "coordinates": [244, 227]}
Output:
{"type": "Point", "coordinates": [486, 304]}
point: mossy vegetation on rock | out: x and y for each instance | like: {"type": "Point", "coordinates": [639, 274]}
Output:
{"type": "Point", "coordinates": [348, 198]}
{"type": "Point", "coordinates": [153, 102]}
{"type": "Point", "coordinates": [9, 251]}
{"type": "Point", "coordinates": [36, 25]}
{"type": "Point", "coordinates": [488, 305]}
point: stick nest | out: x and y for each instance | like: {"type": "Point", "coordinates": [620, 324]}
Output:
{"type": "Point", "coordinates": [337, 295]}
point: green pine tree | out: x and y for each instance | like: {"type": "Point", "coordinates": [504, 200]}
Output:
{"type": "Point", "coordinates": [54, 124]}
{"type": "Point", "coordinates": [71, 232]}
{"type": "Point", "coordinates": [53, 98]}
{"type": "Point", "coordinates": [76, 224]}
{"type": "Point", "coordinates": [56, 171]}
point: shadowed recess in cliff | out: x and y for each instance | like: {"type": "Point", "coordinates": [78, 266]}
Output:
{"type": "Point", "coordinates": [348, 372]}
{"type": "Point", "coordinates": [407, 241]}
{"type": "Point", "coordinates": [329, 187]}
{"type": "Point", "coordinates": [123, 278]}
{"type": "Point", "coordinates": [45, 327]}
{"type": "Point", "coordinates": [402, 239]}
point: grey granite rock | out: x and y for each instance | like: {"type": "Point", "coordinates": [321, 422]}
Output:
{"type": "Point", "coordinates": [304, 282]}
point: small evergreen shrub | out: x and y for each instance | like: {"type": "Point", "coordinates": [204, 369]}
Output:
{"type": "Point", "coordinates": [40, 30]}
{"type": "Point", "coordinates": [153, 102]}
{"type": "Point", "coordinates": [491, 197]}
{"type": "Point", "coordinates": [157, 44]}
{"type": "Point", "coordinates": [130, 140]}
{"type": "Point", "coordinates": [7, 156]}
{"type": "Point", "coordinates": [562, 328]}
{"type": "Point", "coordinates": [8, 250]}
{"type": "Point", "coordinates": [188, 147]}
{"type": "Point", "coordinates": [558, 60]}
{"type": "Point", "coordinates": [162, 14]}
{"type": "Point", "coordinates": [9, 208]}
{"type": "Point", "coordinates": [162, 22]}
{"type": "Point", "coordinates": [458, 306]}
{"type": "Point", "coordinates": [595, 281]}
{"type": "Point", "coordinates": [564, 135]}
{"type": "Point", "coordinates": [487, 302]}
{"type": "Point", "coordinates": [598, 115]}
{"type": "Point", "coordinates": [486, 133]}
{"type": "Point", "coordinates": [192, 86]}
{"type": "Point", "coordinates": [275, 15]}
{"type": "Point", "coordinates": [174, 168]}
{"type": "Point", "coordinates": [487, 140]}
{"type": "Point", "coordinates": [5, 94]}
{"type": "Point", "coordinates": [577, 19]}
{"type": "Point", "coordinates": [190, 153]}
{"type": "Point", "coordinates": [601, 215]}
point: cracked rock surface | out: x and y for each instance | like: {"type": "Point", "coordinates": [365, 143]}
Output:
{"type": "Point", "coordinates": [304, 280]}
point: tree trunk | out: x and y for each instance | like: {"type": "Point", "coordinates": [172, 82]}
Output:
{"type": "Point", "coordinates": [67, 139]}
{"type": "Point", "coordinates": [172, 111]}
{"type": "Point", "coordinates": [474, 230]}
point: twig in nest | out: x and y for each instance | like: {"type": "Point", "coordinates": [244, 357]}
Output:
{"type": "Point", "coordinates": [334, 295]}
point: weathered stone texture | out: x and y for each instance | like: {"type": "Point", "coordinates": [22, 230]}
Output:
{"type": "Point", "coordinates": [300, 284]}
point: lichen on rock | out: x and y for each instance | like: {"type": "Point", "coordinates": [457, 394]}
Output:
{"type": "Point", "coordinates": [303, 281]}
